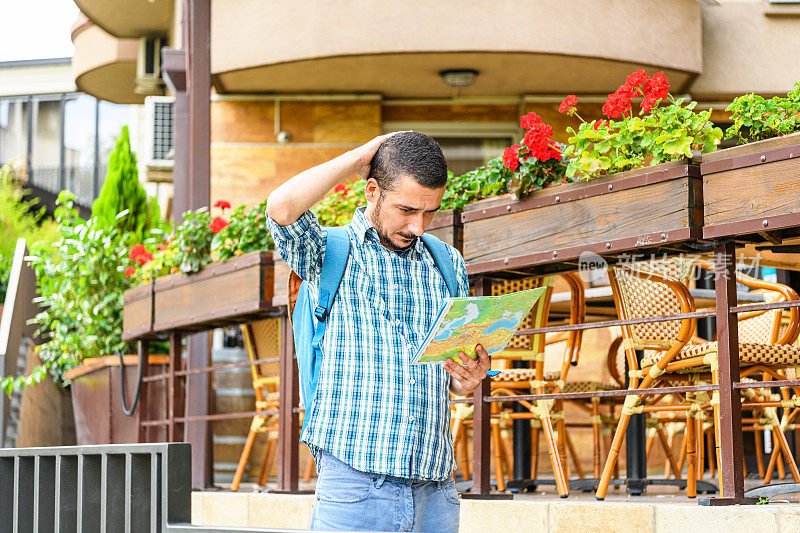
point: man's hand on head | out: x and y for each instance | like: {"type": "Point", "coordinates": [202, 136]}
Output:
{"type": "Point", "coordinates": [466, 378]}
{"type": "Point", "coordinates": [366, 152]}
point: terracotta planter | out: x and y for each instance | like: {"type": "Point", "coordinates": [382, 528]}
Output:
{"type": "Point", "coordinates": [636, 210]}
{"type": "Point", "coordinates": [97, 405]}
{"type": "Point", "coordinates": [753, 189]}
{"type": "Point", "coordinates": [220, 294]}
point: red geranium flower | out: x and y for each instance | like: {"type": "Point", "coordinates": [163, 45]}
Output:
{"type": "Point", "coordinates": [598, 123]}
{"type": "Point", "coordinates": [341, 188]}
{"type": "Point", "coordinates": [136, 251]}
{"type": "Point", "coordinates": [511, 157]}
{"type": "Point", "coordinates": [164, 245]}
{"type": "Point", "coordinates": [657, 87]}
{"type": "Point", "coordinates": [217, 224]}
{"type": "Point", "coordinates": [568, 103]}
{"type": "Point", "coordinates": [529, 120]}
{"type": "Point", "coordinates": [637, 78]}
{"type": "Point", "coordinates": [223, 204]}
{"type": "Point", "coordinates": [130, 271]}
{"type": "Point", "coordinates": [539, 143]}
{"type": "Point", "coordinates": [617, 104]}
{"type": "Point", "coordinates": [144, 258]}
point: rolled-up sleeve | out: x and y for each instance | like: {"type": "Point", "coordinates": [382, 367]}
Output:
{"type": "Point", "coordinates": [301, 244]}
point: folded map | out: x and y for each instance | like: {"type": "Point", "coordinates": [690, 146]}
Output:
{"type": "Point", "coordinates": [462, 323]}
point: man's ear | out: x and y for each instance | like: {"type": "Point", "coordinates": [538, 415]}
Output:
{"type": "Point", "coordinates": [372, 190]}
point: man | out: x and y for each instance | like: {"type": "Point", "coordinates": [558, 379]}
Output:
{"type": "Point", "coordinates": [378, 426]}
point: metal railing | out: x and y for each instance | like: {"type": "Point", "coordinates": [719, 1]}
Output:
{"type": "Point", "coordinates": [81, 180]}
{"type": "Point", "coordinates": [118, 487]}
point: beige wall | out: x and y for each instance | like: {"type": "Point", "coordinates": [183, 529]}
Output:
{"type": "Point", "coordinates": [247, 162]}
{"type": "Point", "coordinates": [748, 46]}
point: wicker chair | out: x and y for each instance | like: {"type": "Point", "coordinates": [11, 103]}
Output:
{"type": "Point", "coordinates": [658, 288]}
{"type": "Point", "coordinates": [552, 356]}
{"type": "Point", "coordinates": [262, 341]}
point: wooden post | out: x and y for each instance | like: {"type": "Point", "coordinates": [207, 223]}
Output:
{"type": "Point", "coordinates": [288, 419]}
{"type": "Point", "coordinates": [173, 392]}
{"type": "Point", "coordinates": [143, 350]}
{"type": "Point", "coordinates": [730, 407]}
{"type": "Point", "coordinates": [481, 483]}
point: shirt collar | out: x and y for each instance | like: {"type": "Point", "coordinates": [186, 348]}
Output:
{"type": "Point", "coordinates": [362, 226]}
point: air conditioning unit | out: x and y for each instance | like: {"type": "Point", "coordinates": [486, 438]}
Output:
{"type": "Point", "coordinates": [148, 67]}
{"type": "Point", "coordinates": [159, 132]}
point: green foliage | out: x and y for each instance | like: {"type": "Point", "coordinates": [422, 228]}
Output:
{"type": "Point", "coordinates": [494, 179]}
{"type": "Point", "coordinates": [756, 118]}
{"type": "Point", "coordinates": [665, 133]}
{"type": "Point", "coordinates": [123, 192]}
{"type": "Point", "coordinates": [192, 241]}
{"type": "Point", "coordinates": [18, 219]}
{"type": "Point", "coordinates": [80, 280]}
{"type": "Point", "coordinates": [246, 232]}
{"type": "Point", "coordinates": [337, 209]}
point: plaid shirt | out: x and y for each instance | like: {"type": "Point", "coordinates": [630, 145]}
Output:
{"type": "Point", "coordinates": [373, 409]}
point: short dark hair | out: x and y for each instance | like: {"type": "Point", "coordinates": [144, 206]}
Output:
{"type": "Point", "coordinates": [411, 153]}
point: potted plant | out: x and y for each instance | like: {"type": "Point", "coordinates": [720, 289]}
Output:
{"type": "Point", "coordinates": [80, 280]}
{"type": "Point", "coordinates": [211, 270]}
{"type": "Point", "coordinates": [754, 188]}
{"type": "Point", "coordinates": [630, 183]}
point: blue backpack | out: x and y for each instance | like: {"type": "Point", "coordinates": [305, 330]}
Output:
{"type": "Point", "coordinates": [308, 320]}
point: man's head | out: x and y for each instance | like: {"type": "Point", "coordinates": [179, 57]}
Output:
{"type": "Point", "coordinates": [405, 186]}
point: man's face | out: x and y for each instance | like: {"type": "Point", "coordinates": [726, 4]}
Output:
{"type": "Point", "coordinates": [402, 214]}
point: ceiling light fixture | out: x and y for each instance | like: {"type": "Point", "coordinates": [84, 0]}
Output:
{"type": "Point", "coordinates": [459, 77]}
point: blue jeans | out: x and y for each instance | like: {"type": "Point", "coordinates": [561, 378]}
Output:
{"type": "Point", "coordinates": [351, 500]}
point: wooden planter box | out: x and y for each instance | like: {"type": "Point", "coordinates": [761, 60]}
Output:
{"type": "Point", "coordinates": [137, 312]}
{"type": "Point", "coordinates": [218, 295]}
{"type": "Point", "coordinates": [754, 188]}
{"type": "Point", "coordinates": [281, 275]}
{"type": "Point", "coordinates": [632, 211]}
{"type": "Point", "coordinates": [97, 405]}
{"type": "Point", "coordinates": [446, 225]}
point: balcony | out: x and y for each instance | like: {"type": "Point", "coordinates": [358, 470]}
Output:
{"type": "Point", "coordinates": [398, 49]}
{"type": "Point", "coordinates": [104, 66]}
{"type": "Point", "coordinates": [129, 18]}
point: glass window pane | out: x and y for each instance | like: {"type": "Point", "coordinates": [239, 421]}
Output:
{"type": "Point", "coordinates": [13, 131]}
{"type": "Point", "coordinates": [79, 132]}
{"type": "Point", "coordinates": [46, 148]}
{"type": "Point", "coordinates": [112, 118]}
{"type": "Point", "coordinates": [467, 153]}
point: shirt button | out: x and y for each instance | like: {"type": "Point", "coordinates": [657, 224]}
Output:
{"type": "Point", "coordinates": [412, 381]}
{"type": "Point", "coordinates": [412, 418]}
{"type": "Point", "coordinates": [397, 322]}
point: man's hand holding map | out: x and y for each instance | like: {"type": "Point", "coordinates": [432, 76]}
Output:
{"type": "Point", "coordinates": [462, 323]}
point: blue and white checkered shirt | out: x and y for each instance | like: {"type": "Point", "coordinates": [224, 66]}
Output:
{"type": "Point", "coordinates": [373, 409]}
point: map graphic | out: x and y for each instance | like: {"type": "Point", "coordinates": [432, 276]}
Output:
{"type": "Point", "coordinates": [464, 322]}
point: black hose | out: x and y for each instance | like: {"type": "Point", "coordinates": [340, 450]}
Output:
{"type": "Point", "coordinates": [125, 409]}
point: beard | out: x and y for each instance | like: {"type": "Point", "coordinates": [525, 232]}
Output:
{"type": "Point", "coordinates": [382, 233]}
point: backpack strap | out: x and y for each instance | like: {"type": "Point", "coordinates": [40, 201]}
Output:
{"type": "Point", "coordinates": [337, 250]}
{"type": "Point", "coordinates": [441, 256]}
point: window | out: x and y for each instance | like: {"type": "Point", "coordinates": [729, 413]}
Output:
{"type": "Point", "coordinates": [466, 145]}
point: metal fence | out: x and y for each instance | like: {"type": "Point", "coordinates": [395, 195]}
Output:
{"type": "Point", "coordinates": [120, 487]}
{"type": "Point", "coordinates": [81, 180]}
